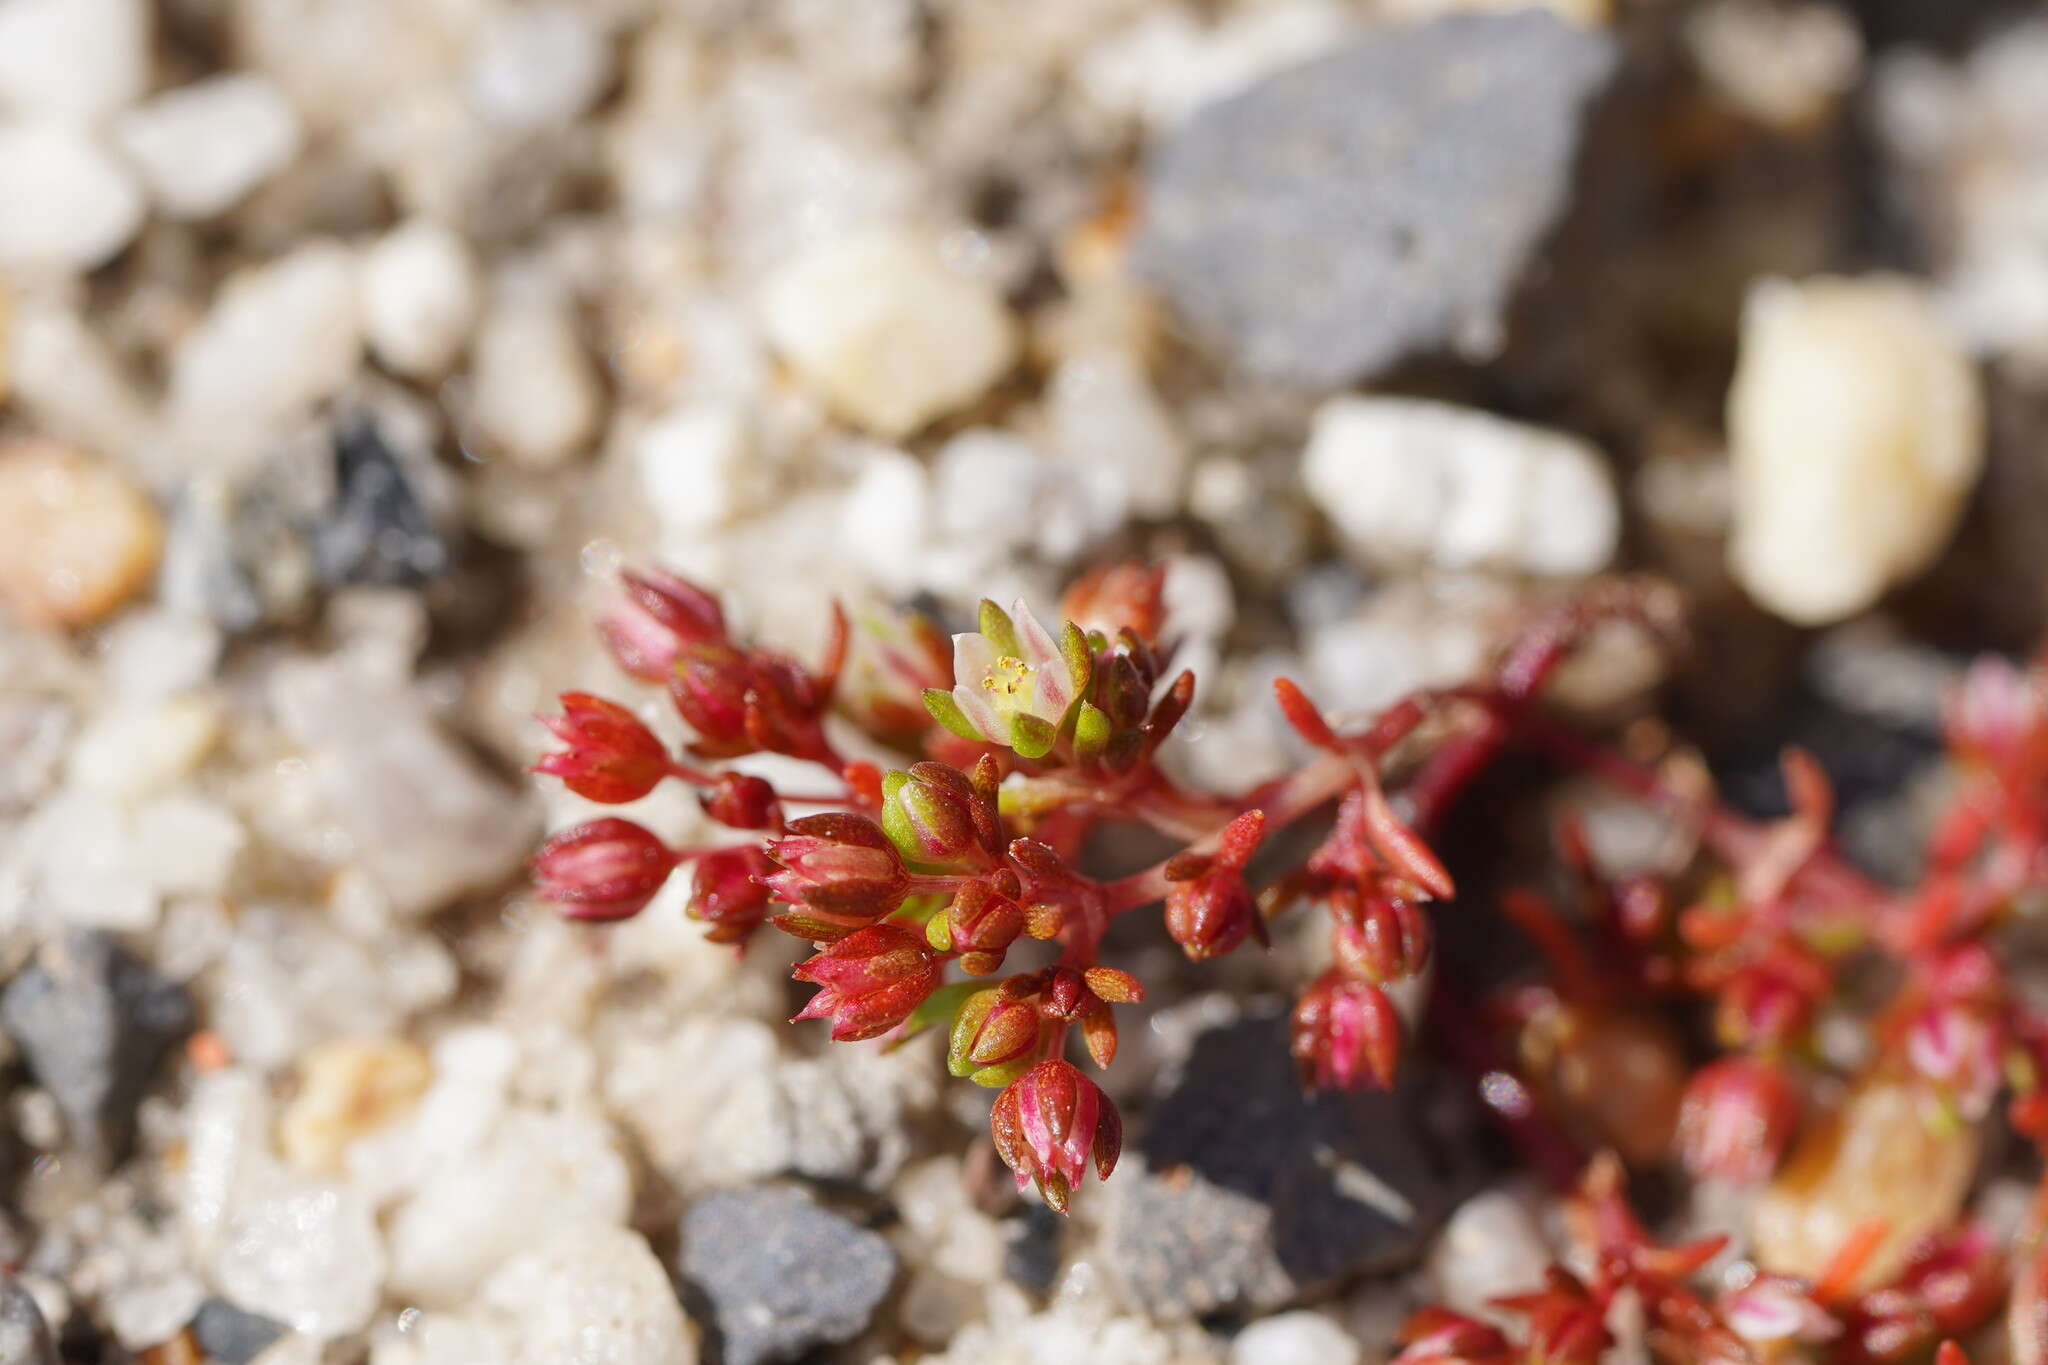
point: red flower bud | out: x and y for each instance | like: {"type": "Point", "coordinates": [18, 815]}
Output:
{"type": "Point", "coordinates": [1437, 1336]}
{"type": "Point", "coordinates": [1774, 1309]}
{"type": "Point", "coordinates": [995, 1037]}
{"type": "Point", "coordinates": [981, 925]}
{"type": "Point", "coordinates": [934, 815]}
{"type": "Point", "coordinates": [1378, 939]}
{"type": "Point", "coordinates": [840, 864]}
{"type": "Point", "coordinates": [1736, 1118]}
{"type": "Point", "coordinates": [1116, 597]}
{"type": "Point", "coordinates": [710, 683]}
{"type": "Point", "coordinates": [1048, 1123]}
{"type": "Point", "coordinates": [658, 615]}
{"type": "Point", "coordinates": [605, 870]}
{"type": "Point", "coordinates": [1210, 914]}
{"type": "Point", "coordinates": [1961, 1050]}
{"type": "Point", "coordinates": [728, 892]}
{"type": "Point", "coordinates": [611, 757]}
{"type": "Point", "coordinates": [872, 979]}
{"type": "Point", "coordinates": [742, 801]}
{"type": "Point", "coordinates": [1346, 1033]}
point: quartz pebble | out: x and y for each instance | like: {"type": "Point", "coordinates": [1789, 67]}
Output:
{"type": "Point", "coordinates": [1490, 1248]}
{"type": "Point", "coordinates": [420, 298]}
{"type": "Point", "coordinates": [140, 749]}
{"type": "Point", "coordinates": [592, 1294]}
{"type": "Point", "coordinates": [280, 337]}
{"type": "Point", "coordinates": [348, 1088]}
{"type": "Point", "coordinates": [1409, 481]}
{"type": "Point", "coordinates": [77, 539]}
{"type": "Point", "coordinates": [304, 1253]}
{"type": "Point", "coordinates": [537, 400]}
{"type": "Point", "coordinates": [886, 332]}
{"type": "Point", "coordinates": [71, 205]}
{"type": "Point", "coordinates": [1856, 431]}
{"type": "Point", "coordinates": [699, 467]}
{"type": "Point", "coordinates": [72, 58]}
{"type": "Point", "coordinates": [203, 146]}
{"type": "Point", "coordinates": [429, 824]}
{"type": "Point", "coordinates": [1103, 414]}
{"type": "Point", "coordinates": [538, 64]}
{"type": "Point", "coordinates": [1299, 1338]}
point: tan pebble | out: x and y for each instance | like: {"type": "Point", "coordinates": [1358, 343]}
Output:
{"type": "Point", "coordinates": [348, 1089]}
{"type": "Point", "coordinates": [1883, 1155]}
{"type": "Point", "coordinates": [77, 537]}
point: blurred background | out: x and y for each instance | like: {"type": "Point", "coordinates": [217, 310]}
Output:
{"type": "Point", "coordinates": [348, 348]}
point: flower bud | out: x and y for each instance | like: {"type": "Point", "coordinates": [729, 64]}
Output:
{"type": "Point", "coordinates": [710, 685]}
{"type": "Point", "coordinates": [728, 892]}
{"type": "Point", "coordinates": [1346, 1034]}
{"type": "Point", "coordinates": [1210, 914]}
{"type": "Point", "coordinates": [657, 615]}
{"type": "Point", "coordinates": [934, 816]}
{"type": "Point", "coordinates": [1383, 940]}
{"type": "Point", "coordinates": [1774, 1309]}
{"type": "Point", "coordinates": [1961, 1050]}
{"type": "Point", "coordinates": [1048, 1123]}
{"type": "Point", "coordinates": [742, 801]}
{"type": "Point", "coordinates": [1736, 1118]}
{"type": "Point", "coordinates": [1437, 1336]}
{"type": "Point", "coordinates": [840, 864]}
{"type": "Point", "coordinates": [995, 1038]}
{"type": "Point", "coordinates": [981, 924]}
{"type": "Point", "coordinates": [605, 870]}
{"type": "Point", "coordinates": [1115, 597]}
{"type": "Point", "coordinates": [611, 757]}
{"type": "Point", "coordinates": [872, 979]}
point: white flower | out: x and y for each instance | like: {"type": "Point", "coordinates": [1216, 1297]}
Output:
{"type": "Point", "coordinates": [1013, 684]}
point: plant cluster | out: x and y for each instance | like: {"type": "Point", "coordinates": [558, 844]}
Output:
{"type": "Point", "coordinates": [917, 885]}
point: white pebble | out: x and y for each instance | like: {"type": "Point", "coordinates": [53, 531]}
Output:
{"type": "Point", "coordinates": [187, 845]}
{"type": "Point", "coordinates": [698, 466]}
{"type": "Point", "coordinates": [135, 750]}
{"type": "Point", "coordinates": [1297, 1338]}
{"type": "Point", "coordinates": [304, 1253]}
{"type": "Point", "coordinates": [203, 146]}
{"type": "Point", "coordinates": [592, 1295]}
{"type": "Point", "coordinates": [70, 203]}
{"type": "Point", "coordinates": [538, 65]}
{"type": "Point", "coordinates": [1408, 481]}
{"type": "Point", "coordinates": [1490, 1247]}
{"type": "Point", "coordinates": [419, 298]}
{"type": "Point", "coordinates": [73, 58]}
{"type": "Point", "coordinates": [539, 1170]}
{"type": "Point", "coordinates": [1856, 430]}
{"type": "Point", "coordinates": [537, 399]}
{"type": "Point", "coordinates": [280, 338]}
{"type": "Point", "coordinates": [1104, 415]}
{"type": "Point", "coordinates": [887, 508]}
{"type": "Point", "coordinates": [889, 334]}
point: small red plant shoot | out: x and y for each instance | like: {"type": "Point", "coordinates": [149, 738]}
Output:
{"type": "Point", "coordinates": [946, 889]}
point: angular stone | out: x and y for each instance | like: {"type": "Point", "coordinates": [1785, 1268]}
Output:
{"type": "Point", "coordinates": [24, 1336]}
{"type": "Point", "coordinates": [93, 1024]}
{"type": "Point", "coordinates": [230, 1336]}
{"type": "Point", "coordinates": [782, 1274]}
{"type": "Point", "coordinates": [377, 528]}
{"type": "Point", "coordinates": [1253, 1194]}
{"type": "Point", "coordinates": [1380, 202]}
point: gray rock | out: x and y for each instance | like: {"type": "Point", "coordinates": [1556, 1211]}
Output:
{"type": "Point", "coordinates": [24, 1336]}
{"type": "Point", "coordinates": [1253, 1194]}
{"type": "Point", "coordinates": [377, 529]}
{"type": "Point", "coordinates": [230, 1336]}
{"type": "Point", "coordinates": [93, 1023]}
{"type": "Point", "coordinates": [1032, 1258]}
{"type": "Point", "coordinates": [1379, 202]}
{"type": "Point", "coordinates": [781, 1274]}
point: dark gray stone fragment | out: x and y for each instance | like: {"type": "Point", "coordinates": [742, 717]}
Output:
{"type": "Point", "coordinates": [24, 1336]}
{"type": "Point", "coordinates": [230, 1336]}
{"type": "Point", "coordinates": [377, 528]}
{"type": "Point", "coordinates": [1380, 202]}
{"type": "Point", "coordinates": [1253, 1194]}
{"type": "Point", "coordinates": [781, 1274]}
{"type": "Point", "coordinates": [93, 1023]}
